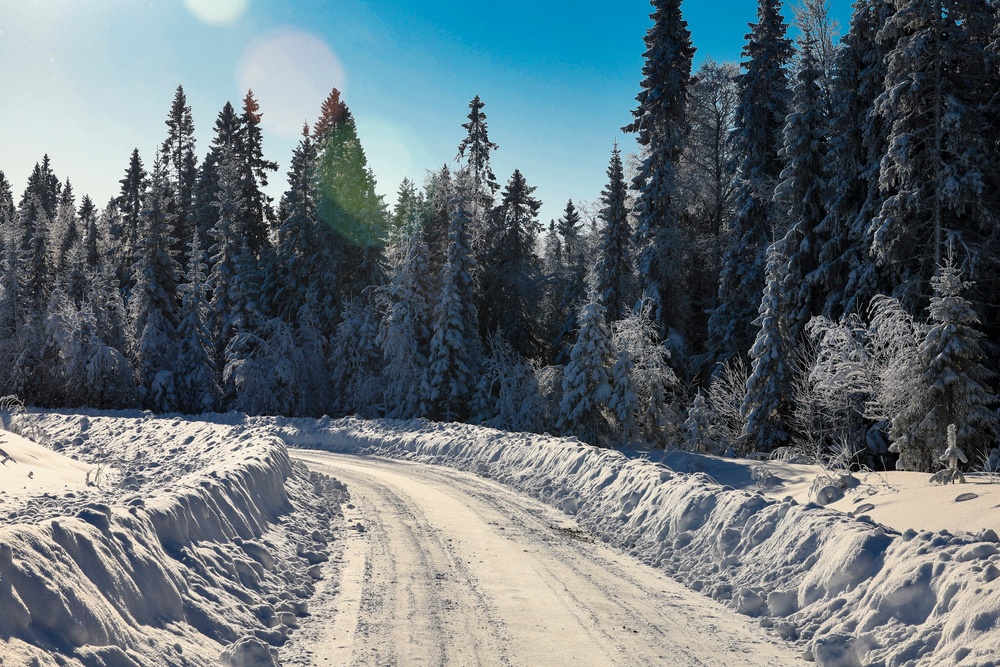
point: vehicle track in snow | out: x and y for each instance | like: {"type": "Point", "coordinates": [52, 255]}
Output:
{"type": "Point", "coordinates": [454, 569]}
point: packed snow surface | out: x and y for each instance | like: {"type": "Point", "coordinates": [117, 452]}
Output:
{"type": "Point", "coordinates": [846, 588]}
{"type": "Point", "coordinates": [135, 540]}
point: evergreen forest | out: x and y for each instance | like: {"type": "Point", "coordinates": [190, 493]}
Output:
{"type": "Point", "coordinates": [801, 255]}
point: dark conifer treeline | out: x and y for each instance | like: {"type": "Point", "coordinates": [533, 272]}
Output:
{"type": "Point", "coordinates": [771, 263]}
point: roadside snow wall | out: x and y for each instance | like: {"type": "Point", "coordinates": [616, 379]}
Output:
{"type": "Point", "coordinates": [849, 591]}
{"type": "Point", "coordinates": [172, 577]}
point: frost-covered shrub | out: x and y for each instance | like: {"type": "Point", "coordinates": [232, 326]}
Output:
{"type": "Point", "coordinates": [725, 396]}
{"type": "Point", "coordinates": [507, 395]}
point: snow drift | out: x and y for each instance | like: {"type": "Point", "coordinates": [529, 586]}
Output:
{"type": "Point", "coordinates": [849, 590]}
{"type": "Point", "coordinates": [186, 552]}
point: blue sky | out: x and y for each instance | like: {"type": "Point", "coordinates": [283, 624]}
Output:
{"type": "Point", "coordinates": [87, 80]}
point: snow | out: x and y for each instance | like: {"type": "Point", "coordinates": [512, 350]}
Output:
{"type": "Point", "coordinates": [848, 589]}
{"type": "Point", "coordinates": [198, 539]}
{"type": "Point", "coordinates": [202, 539]}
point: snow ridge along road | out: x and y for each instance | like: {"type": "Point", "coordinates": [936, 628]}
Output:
{"type": "Point", "coordinates": [459, 570]}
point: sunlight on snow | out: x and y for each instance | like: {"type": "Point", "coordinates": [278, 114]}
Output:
{"type": "Point", "coordinates": [291, 72]}
{"type": "Point", "coordinates": [217, 12]}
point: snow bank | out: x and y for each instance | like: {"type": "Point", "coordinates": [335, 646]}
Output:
{"type": "Point", "coordinates": [850, 591]}
{"type": "Point", "coordinates": [187, 552]}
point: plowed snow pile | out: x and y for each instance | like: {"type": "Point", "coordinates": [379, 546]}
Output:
{"type": "Point", "coordinates": [849, 590]}
{"type": "Point", "coordinates": [130, 541]}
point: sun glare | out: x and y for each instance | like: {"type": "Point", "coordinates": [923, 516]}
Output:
{"type": "Point", "coordinates": [291, 72]}
{"type": "Point", "coordinates": [217, 12]}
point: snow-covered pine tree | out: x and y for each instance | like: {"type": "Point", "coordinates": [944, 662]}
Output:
{"type": "Point", "coordinates": [857, 143]}
{"type": "Point", "coordinates": [36, 211]}
{"type": "Point", "coordinates": [253, 171]}
{"type": "Point", "coordinates": [456, 347]}
{"type": "Point", "coordinates": [760, 118]}
{"type": "Point", "coordinates": [933, 172]}
{"type": "Point", "coordinates": [660, 124]}
{"type": "Point", "coordinates": [651, 378]}
{"type": "Point", "coordinates": [404, 333]}
{"type": "Point", "coordinates": [613, 268]}
{"type": "Point", "coordinates": [180, 167]}
{"type": "Point", "coordinates": [698, 426]}
{"type": "Point", "coordinates": [474, 154]}
{"type": "Point", "coordinates": [801, 192]}
{"type": "Point", "coordinates": [766, 405]}
{"type": "Point", "coordinates": [197, 374]}
{"type": "Point", "coordinates": [62, 234]}
{"type": "Point", "coordinates": [707, 182]}
{"type": "Point", "coordinates": [232, 280]}
{"type": "Point", "coordinates": [438, 194]}
{"type": "Point", "coordinates": [510, 278]}
{"type": "Point", "coordinates": [346, 201]}
{"type": "Point", "coordinates": [588, 384]}
{"type": "Point", "coordinates": [954, 385]}
{"type": "Point", "coordinates": [131, 202]}
{"type": "Point", "coordinates": [357, 359]}
{"type": "Point", "coordinates": [406, 220]}
{"type": "Point", "coordinates": [152, 304]}
{"type": "Point", "coordinates": [566, 270]}
{"type": "Point", "coordinates": [262, 369]}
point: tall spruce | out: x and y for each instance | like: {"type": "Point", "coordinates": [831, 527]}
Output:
{"type": "Point", "coordinates": [253, 170]}
{"type": "Point", "coordinates": [801, 192]}
{"type": "Point", "coordinates": [510, 278]}
{"type": "Point", "coordinates": [455, 343]}
{"type": "Point", "coordinates": [856, 145]}
{"type": "Point", "coordinates": [660, 124]}
{"type": "Point", "coordinates": [180, 165]}
{"type": "Point", "coordinates": [152, 304]}
{"type": "Point", "coordinates": [759, 121]}
{"type": "Point", "coordinates": [934, 169]}
{"type": "Point", "coordinates": [613, 268]}
{"type": "Point", "coordinates": [346, 201]}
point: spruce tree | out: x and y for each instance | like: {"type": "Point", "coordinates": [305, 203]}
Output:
{"type": "Point", "coordinates": [253, 171]}
{"type": "Point", "coordinates": [660, 125]}
{"type": "Point", "coordinates": [455, 347]}
{"type": "Point", "coordinates": [346, 201]}
{"type": "Point", "coordinates": [759, 120]}
{"type": "Point", "coordinates": [233, 281]}
{"type": "Point", "coordinates": [934, 168]}
{"type": "Point", "coordinates": [152, 304]}
{"type": "Point", "coordinates": [131, 201]}
{"type": "Point", "coordinates": [588, 384]}
{"type": "Point", "coordinates": [197, 372]}
{"type": "Point", "coordinates": [801, 192]}
{"type": "Point", "coordinates": [856, 145]}
{"type": "Point", "coordinates": [180, 165]}
{"type": "Point", "coordinates": [510, 278]}
{"type": "Point", "coordinates": [766, 405]}
{"type": "Point", "coordinates": [404, 333]}
{"type": "Point", "coordinates": [613, 256]}
{"type": "Point", "coordinates": [954, 386]}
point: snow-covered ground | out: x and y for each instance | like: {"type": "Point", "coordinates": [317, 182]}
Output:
{"type": "Point", "coordinates": [201, 535]}
{"type": "Point", "coordinates": [849, 590]}
{"type": "Point", "coordinates": [131, 541]}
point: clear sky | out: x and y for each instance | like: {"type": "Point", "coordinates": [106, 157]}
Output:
{"type": "Point", "coordinates": [86, 81]}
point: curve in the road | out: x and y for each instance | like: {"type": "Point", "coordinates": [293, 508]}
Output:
{"type": "Point", "coordinates": [459, 570]}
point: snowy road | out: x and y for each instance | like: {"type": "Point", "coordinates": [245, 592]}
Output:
{"type": "Point", "coordinates": [452, 569]}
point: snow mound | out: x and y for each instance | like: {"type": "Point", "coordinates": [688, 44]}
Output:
{"type": "Point", "coordinates": [184, 552]}
{"type": "Point", "coordinates": [850, 591]}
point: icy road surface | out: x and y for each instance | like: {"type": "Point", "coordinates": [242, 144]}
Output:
{"type": "Point", "coordinates": [453, 569]}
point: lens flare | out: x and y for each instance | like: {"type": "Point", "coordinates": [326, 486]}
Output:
{"type": "Point", "coordinates": [217, 12]}
{"type": "Point", "coordinates": [290, 72]}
